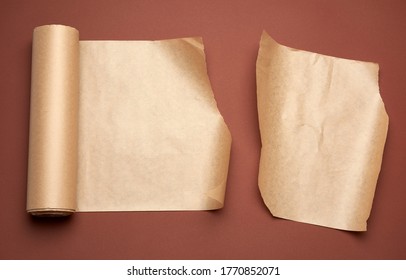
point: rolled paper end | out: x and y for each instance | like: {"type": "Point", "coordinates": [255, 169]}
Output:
{"type": "Point", "coordinates": [52, 162]}
{"type": "Point", "coordinates": [51, 212]}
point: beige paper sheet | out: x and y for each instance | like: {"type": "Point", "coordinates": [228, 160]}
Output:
{"type": "Point", "coordinates": [323, 128]}
{"type": "Point", "coordinates": [123, 126]}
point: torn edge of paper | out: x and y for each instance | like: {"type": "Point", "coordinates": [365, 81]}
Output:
{"type": "Point", "coordinates": [323, 129]}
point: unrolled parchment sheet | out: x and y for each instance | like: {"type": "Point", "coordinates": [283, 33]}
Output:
{"type": "Point", "coordinates": [123, 126]}
{"type": "Point", "coordinates": [323, 129]}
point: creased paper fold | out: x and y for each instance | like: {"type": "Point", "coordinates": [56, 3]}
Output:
{"type": "Point", "coordinates": [123, 126]}
{"type": "Point", "coordinates": [323, 128]}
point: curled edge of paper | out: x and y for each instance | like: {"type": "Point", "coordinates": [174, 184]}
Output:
{"type": "Point", "coordinates": [309, 137]}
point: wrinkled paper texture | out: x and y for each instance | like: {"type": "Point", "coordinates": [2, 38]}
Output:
{"type": "Point", "coordinates": [149, 134]}
{"type": "Point", "coordinates": [323, 129]}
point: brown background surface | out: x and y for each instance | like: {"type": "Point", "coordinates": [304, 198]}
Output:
{"type": "Point", "coordinates": [365, 30]}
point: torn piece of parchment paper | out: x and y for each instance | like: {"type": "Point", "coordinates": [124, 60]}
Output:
{"type": "Point", "coordinates": [323, 129]}
{"type": "Point", "coordinates": [123, 126]}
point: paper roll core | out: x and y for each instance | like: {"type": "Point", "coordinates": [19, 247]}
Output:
{"type": "Point", "coordinates": [52, 164]}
